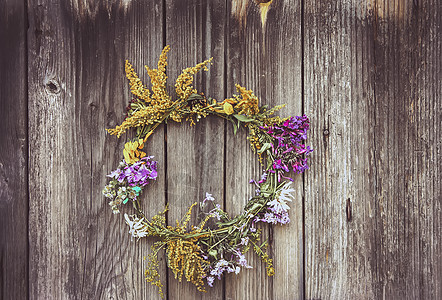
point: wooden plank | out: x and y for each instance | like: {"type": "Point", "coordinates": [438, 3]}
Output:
{"type": "Point", "coordinates": [268, 61]}
{"type": "Point", "coordinates": [408, 117]}
{"type": "Point", "coordinates": [13, 152]}
{"type": "Point", "coordinates": [78, 249]}
{"type": "Point", "coordinates": [378, 148]}
{"type": "Point", "coordinates": [339, 189]}
{"type": "Point", "coordinates": [195, 31]}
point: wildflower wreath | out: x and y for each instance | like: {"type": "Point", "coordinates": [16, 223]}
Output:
{"type": "Point", "coordinates": [203, 253]}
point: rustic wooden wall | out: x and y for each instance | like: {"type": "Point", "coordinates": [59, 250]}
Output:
{"type": "Point", "coordinates": [367, 223]}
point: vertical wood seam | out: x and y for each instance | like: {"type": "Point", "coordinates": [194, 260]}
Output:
{"type": "Point", "coordinates": [26, 83]}
{"type": "Point", "coordinates": [375, 27]}
{"type": "Point", "coordinates": [303, 174]}
{"type": "Point", "coordinates": [166, 182]}
{"type": "Point", "coordinates": [226, 23]}
{"type": "Point", "coordinates": [91, 179]}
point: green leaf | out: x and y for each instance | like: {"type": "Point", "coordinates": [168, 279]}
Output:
{"type": "Point", "coordinates": [264, 244]}
{"type": "Point", "coordinates": [265, 147]}
{"type": "Point", "coordinates": [213, 253]}
{"type": "Point", "coordinates": [228, 223]}
{"type": "Point", "coordinates": [266, 194]}
{"type": "Point", "coordinates": [243, 118]}
{"type": "Point", "coordinates": [265, 186]}
{"type": "Point", "coordinates": [255, 206]}
{"type": "Point", "coordinates": [235, 127]}
{"type": "Point", "coordinates": [195, 97]}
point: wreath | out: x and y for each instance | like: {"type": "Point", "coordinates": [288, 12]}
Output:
{"type": "Point", "coordinates": [203, 253]}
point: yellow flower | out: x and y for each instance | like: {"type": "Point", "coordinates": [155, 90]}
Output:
{"type": "Point", "coordinates": [229, 100]}
{"type": "Point", "coordinates": [228, 108]}
{"type": "Point", "coordinates": [248, 105]}
{"type": "Point", "coordinates": [158, 79]}
{"type": "Point", "coordinates": [183, 85]}
{"type": "Point", "coordinates": [132, 151]}
{"type": "Point", "coordinates": [136, 85]}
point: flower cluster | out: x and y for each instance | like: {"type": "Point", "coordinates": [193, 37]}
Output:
{"type": "Point", "coordinates": [137, 174]}
{"type": "Point", "coordinates": [136, 227]}
{"type": "Point", "coordinates": [278, 209]}
{"type": "Point", "coordinates": [220, 267]}
{"type": "Point", "coordinates": [288, 148]}
{"type": "Point", "coordinates": [128, 181]}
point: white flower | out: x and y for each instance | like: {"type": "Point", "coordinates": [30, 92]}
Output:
{"type": "Point", "coordinates": [221, 263]}
{"type": "Point", "coordinates": [279, 204]}
{"type": "Point", "coordinates": [210, 280]}
{"type": "Point", "coordinates": [209, 197]}
{"type": "Point", "coordinates": [237, 269]}
{"type": "Point", "coordinates": [286, 192]}
{"type": "Point", "coordinates": [136, 227]}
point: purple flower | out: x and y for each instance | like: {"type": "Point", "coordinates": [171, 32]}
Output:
{"type": "Point", "coordinates": [115, 174]}
{"type": "Point", "coordinates": [216, 212]}
{"type": "Point", "coordinates": [271, 217]}
{"type": "Point", "coordinates": [288, 149]}
{"type": "Point", "coordinates": [263, 177]}
{"type": "Point", "coordinates": [244, 241]}
{"type": "Point", "coordinates": [300, 165]}
{"type": "Point", "coordinates": [242, 261]}
{"type": "Point", "coordinates": [220, 267]}
{"type": "Point", "coordinates": [141, 172]}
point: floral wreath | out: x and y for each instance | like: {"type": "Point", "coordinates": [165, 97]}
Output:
{"type": "Point", "coordinates": [204, 253]}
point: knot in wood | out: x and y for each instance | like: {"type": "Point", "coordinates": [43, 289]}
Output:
{"type": "Point", "coordinates": [326, 132]}
{"type": "Point", "coordinates": [52, 86]}
{"type": "Point", "coordinates": [348, 210]}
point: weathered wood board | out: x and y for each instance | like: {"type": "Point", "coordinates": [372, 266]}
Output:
{"type": "Point", "coordinates": [268, 61]}
{"type": "Point", "coordinates": [367, 220]}
{"type": "Point", "coordinates": [76, 89]}
{"type": "Point", "coordinates": [13, 152]}
{"type": "Point", "coordinates": [195, 154]}
{"type": "Point", "coordinates": [339, 195]}
{"type": "Point", "coordinates": [373, 82]}
{"type": "Point", "coordinates": [408, 110]}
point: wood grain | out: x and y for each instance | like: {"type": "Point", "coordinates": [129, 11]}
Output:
{"type": "Point", "coordinates": [268, 62]}
{"type": "Point", "coordinates": [13, 152]}
{"type": "Point", "coordinates": [408, 175]}
{"type": "Point", "coordinates": [368, 74]}
{"type": "Point", "coordinates": [77, 88]}
{"type": "Point", "coordinates": [195, 31]}
{"type": "Point", "coordinates": [372, 189]}
{"type": "Point", "coordinates": [340, 196]}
